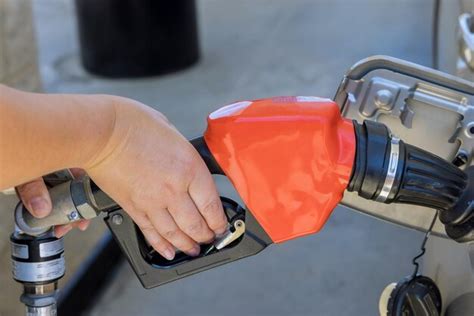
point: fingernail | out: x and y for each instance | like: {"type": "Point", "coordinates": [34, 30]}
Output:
{"type": "Point", "coordinates": [168, 254]}
{"type": "Point", "coordinates": [39, 206]}
{"type": "Point", "coordinates": [195, 251]}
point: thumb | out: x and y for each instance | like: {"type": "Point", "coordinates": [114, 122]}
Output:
{"type": "Point", "coordinates": [35, 197]}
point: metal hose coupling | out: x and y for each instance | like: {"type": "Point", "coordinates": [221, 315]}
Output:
{"type": "Point", "coordinates": [390, 171]}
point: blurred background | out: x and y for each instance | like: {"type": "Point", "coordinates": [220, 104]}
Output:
{"type": "Point", "coordinates": [247, 49]}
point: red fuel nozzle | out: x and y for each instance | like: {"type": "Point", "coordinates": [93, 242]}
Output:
{"type": "Point", "coordinates": [291, 158]}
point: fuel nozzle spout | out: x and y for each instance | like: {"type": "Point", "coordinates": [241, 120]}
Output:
{"type": "Point", "coordinates": [390, 171]}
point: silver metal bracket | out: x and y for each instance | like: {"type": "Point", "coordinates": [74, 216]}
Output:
{"type": "Point", "coordinates": [424, 107]}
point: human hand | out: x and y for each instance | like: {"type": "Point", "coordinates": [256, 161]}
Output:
{"type": "Point", "coordinates": [159, 179]}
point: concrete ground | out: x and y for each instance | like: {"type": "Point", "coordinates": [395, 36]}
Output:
{"type": "Point", "coordinates": [253, 49]}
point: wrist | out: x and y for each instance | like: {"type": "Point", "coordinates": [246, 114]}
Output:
{"type": "Point", "coordinates": [107, 132]}
{"type": "Point", "coordinates": [43, 133]}
{"type": "Point", "coordinates": [122, 114]}
{"type": "Point", "coordinates": [133, 124]}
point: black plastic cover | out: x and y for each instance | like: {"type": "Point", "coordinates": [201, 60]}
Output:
{"type": "Point", "coordinates": [152, 270]}
{"type": "Point", "coordinates": [418, 296]}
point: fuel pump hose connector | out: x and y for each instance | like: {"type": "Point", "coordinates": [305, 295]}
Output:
{"type": "Point", "coordinates": [390, 171]}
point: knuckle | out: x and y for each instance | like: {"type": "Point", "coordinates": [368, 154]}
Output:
{"type": "Point", "coordinates": [170, 234]}
{"type": "Point", "coordinates": [147, 229]}
{"type": "Point", "coordinates": [30, 190]}
{"type": "Point", "coordinates": [198, 231]}
{"type": "Point", "coordinates": [139, 217]}
{"type": "Point", "coordinates": [26, 189]}
{"type": "Point", "coordinates": [188, 162]}
{"type": "Point", "coordinates": [158, 245]}
{"type": "Point", "coordinates": [169, 189]}
{"type": "Point", "coordinates": [140, 198]}
{"type": "Point", "coordinates": [213, 207]}
{"type": "Point", "coordinates": [213, 211]}
{"type": "Point", "coordinates": [196, 227]}
{"type": "Point", "coordinates": [186, 169]}
{"type": "Point", "coordinates": [152, 237]}
{"type": "Point", "coordinates": [182, 168]}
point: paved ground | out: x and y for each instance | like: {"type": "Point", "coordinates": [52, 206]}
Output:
{"type": "Point", "coordinates": [253, 49]}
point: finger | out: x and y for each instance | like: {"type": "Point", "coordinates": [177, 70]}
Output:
{"type": "Point", "coordinates": [204, 194]}
{"type": "Point", "coordinates": [165, 225]}
{"type": "Point", "coordinates": [161, 245]}
{"type": "Point", "coordinates": [82, 224]}
{"type": "Point", "coordinates": [77, 172]}
{"type": "Point", "coordinates": [35, 197]}
{"type": "Point", "coordinates": [60, 231]}
{"type": "Point", "coordinates": [188, 218]}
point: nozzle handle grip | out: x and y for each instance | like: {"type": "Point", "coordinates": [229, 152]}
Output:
{"type": "Point", "coordinates": [71, 201]}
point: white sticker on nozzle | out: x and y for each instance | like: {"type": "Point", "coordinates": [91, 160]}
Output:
{"type": "Point", "coordinates": [230, 109]}
{"type": "Point", "coordinates": [311, 99]}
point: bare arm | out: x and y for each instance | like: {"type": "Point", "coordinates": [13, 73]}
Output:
{"type": "Point", "coordinates": [131, 151]}
{"type": "Point", "coordinates": [42, 133]}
